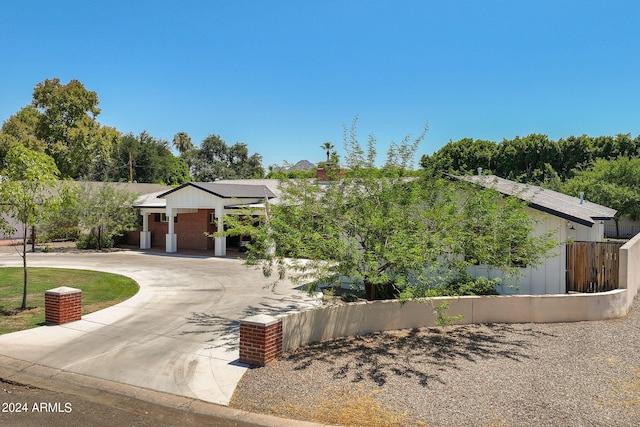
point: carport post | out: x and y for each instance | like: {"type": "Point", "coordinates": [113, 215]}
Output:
{"type": "Point", "coordinates": [171, 239]}
{"type": "Point", "coordinates": [220, 247]}
{"type": "Point", "coordinates": [145, 234]}
{"type": "Point", "coordinates": [260, 339]}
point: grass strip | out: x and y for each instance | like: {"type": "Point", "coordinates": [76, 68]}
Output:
{"type": "Point", "coordinates": [99, 290]}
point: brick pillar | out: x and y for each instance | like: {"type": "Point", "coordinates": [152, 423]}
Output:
{"type": "Point", "coordinates": [260, 339]}
{"type": "Point", "coordinates": [62, 305]}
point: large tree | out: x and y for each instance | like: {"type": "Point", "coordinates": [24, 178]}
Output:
{"type": "Point", "coordinates": [26, 195]}
{"type": "Point", "coordinates": [216, 160]}
{"type": "Point", "coordinates": [535, 158]}
{"type": "Point", "coordinates": [612, 183]}
{"type": "Point", "coordinates": [182, 142]}
{"type": "Point", "coordinates": [65, 111]}
{"type": "Point", "coordinates": [61, 121]}
{"type": "Point", "coordinates": [105, 212]}
{"type": "Point", "coordinates": [21, 129]}
{"type": "Point", "coordinates": [327, 147]}
{"type": "Point", "coordinates": [390, 236]}
{"type": "Point", "coordinates": [463, 156]}
{"type": "Point", "coordinates": [143, 158]}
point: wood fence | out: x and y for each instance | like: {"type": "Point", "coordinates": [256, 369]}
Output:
{"type": "Point", "coordinates": [593, 266]}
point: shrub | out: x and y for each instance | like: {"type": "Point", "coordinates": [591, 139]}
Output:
{"type": "Point", "coordinates": [349, 297]}
{"type": "Point", "coordinates": [90, 241]}
{"type": "Point", "coordinates": [472, 286]}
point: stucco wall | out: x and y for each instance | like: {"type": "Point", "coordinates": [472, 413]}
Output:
{"type": "Point", "coordinates": [19, 234]}
{"type": "Point", "coordinates": [334, 321]}
{"type": "Point", "coordinates": [550, 276]}
{"type": "Point", "coordinates": [630, 268]}
{"type": "Point", "coordinates": [330, 322]}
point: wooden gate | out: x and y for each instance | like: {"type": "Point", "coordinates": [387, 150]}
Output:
{"type": "Point", "coordinates": [593, 266]}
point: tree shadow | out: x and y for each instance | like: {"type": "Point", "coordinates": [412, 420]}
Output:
{"type": "Point", "coordinates": [420, 354]}
{"type": "Point", "coordinates": [13, 311]}
{"type": "Point", "coordinates": [225, 332]}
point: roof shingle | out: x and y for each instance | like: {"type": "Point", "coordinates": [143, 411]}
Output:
{"type": "Point", "coordinates": [545, 200]}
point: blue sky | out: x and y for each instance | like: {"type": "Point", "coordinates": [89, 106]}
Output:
{"type": "Point", "coordinates": [285, 76]}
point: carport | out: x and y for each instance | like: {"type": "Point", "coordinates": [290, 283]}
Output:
{"type": "Point", "coordinates": [185, 213]}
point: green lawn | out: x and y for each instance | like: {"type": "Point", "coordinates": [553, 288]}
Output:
{"type": "Point", "coordinates": [99, 290]}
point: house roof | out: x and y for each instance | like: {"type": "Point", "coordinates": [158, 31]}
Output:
{"type": "Point", "coordinates": [151, 200]}
{"type": "Point", "coordinates": [564, 206]}
{"type": "Point", "coordinates": [132, 187]}
{"type": "Point", "coordinates": [249, 189]}
{"type": "Point", "coordinates": [272, 184]}
{"type": "Point", "coordinates": [227, 190]}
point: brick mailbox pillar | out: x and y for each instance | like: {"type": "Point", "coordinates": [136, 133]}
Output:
{"type": "Point", "coordinates": [62, 305]}
{"type": "Point", "coordinates": [260, 339]}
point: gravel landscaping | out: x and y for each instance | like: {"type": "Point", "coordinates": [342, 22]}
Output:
{"type": "Point", "coordinates": [561, 374]}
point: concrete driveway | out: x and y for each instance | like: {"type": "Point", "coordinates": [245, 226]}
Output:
{"type": "Point", "coordinates": [178, 335]}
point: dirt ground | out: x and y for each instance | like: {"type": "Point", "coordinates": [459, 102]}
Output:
{"type": "Point", "coordinates": [24, 406]}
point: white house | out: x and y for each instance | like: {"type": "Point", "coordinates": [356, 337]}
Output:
{"type": "Point", "coordinates": [572, 219]}
{"type": "Point", "coordinates": [177, 219]}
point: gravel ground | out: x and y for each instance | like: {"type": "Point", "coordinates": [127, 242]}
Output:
{"type": "Point", "coordinates": [562, 374]}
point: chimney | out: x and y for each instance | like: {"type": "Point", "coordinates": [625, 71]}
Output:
{"type": "Point", "coordinates": [479, 171]}
{"type": "Point", "coordinates": [582, 197]}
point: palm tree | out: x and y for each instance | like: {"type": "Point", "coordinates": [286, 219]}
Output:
{"type": "Point", "coordinates": [327, 146]}
{"type": "Point", "coordinates": [182, 142]}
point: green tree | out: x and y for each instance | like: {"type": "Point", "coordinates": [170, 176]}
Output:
{"type": "Point", "coordinates": [21, 129]}
{"type": "Point", "coordinates": [91, 152]}
{"type": "Point", "coordinates": [182, 142]}
{"type": "Point", "coordinates": [328, 148]}
{"type": "Point", "coordinates": [27, 196]}
{"type": "Point", "coordinates": [62, 223]}
{"type": "Point", "coordinates": [520, 158]}
{"type": "Point", "coordinates": [390, 236]}
{"type": "Point", "coordinates": [104, 211]}
{"type": "Point", "coordinates": [216, 160]}
{"type": "Point", "coordinates": [575, 153]}
{"type": "Point", "coordinates": [610, 148]}
{"type": "Point", "coordinates": [143, 158]}
{"type": "Point", "coordinates": [496, 231]}
{"type": "Point", "coordinates": [612, 183]}
{"type": "Point", "coordinates": [461, 157]}
{"type": "Point", "coordinates": [64, 109]}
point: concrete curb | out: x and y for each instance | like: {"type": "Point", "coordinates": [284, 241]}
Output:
{"type": "Point", "coordinates": [119, 395]}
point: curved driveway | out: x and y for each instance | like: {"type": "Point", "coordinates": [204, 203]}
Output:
{"type": "Point", "coordinates": [178, 335]}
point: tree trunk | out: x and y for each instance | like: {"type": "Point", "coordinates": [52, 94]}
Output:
{"type": "Point", "coordinates": [380, 291]}
{"type": "Point", "coordinates": [370, 290]}
{"type": "Point", "coordinates": [617, 221]}
{"type": "Point", "coordinates": [24, 270]}
{"type": "Point", "coordinates": [33, 238]}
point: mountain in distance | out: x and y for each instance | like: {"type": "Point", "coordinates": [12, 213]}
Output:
{"type": "Point", "coordinates": [302, 165]}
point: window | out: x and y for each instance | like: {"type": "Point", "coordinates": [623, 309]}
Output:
{"type": "Point", "coordinates": [162, 217]}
